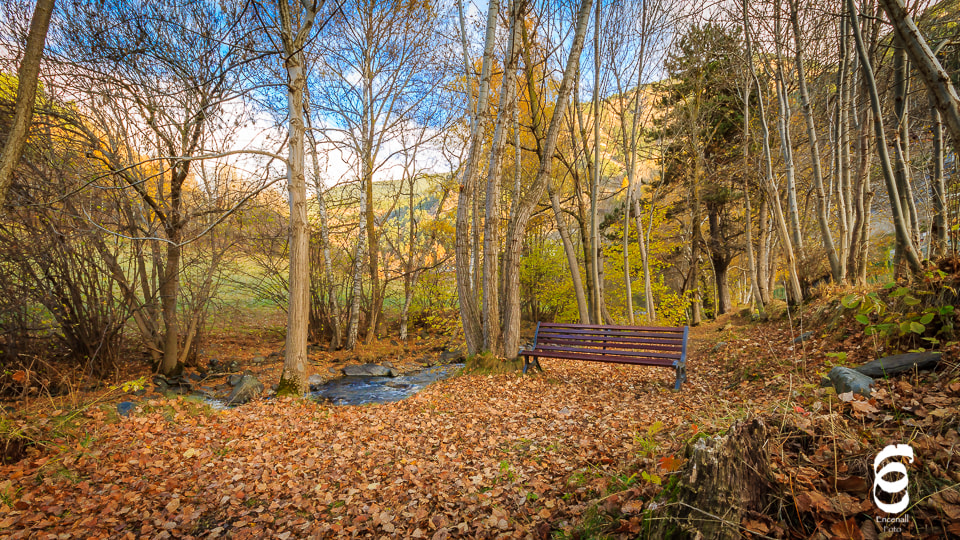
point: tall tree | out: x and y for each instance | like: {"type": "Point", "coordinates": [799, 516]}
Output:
{"type": "Point", "coordinates": [296, 27]}
{"type": "Point", "coordinates": [27, 80]}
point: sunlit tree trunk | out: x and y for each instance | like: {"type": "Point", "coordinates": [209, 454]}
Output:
{"type": "Point", "coordinates": [27, 77]}
{"type": "Point", "coordinates": [466, 291]}
{"type": "Point", "coordinates": [492, 331]}
{"type": "Point", "coordinates": [293, 380]}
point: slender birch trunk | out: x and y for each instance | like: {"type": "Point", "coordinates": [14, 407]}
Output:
{"type": "Point", "coordinates": [822, 217]}
{"type": "Point", "coordinates": [748, 217]}
{"type": "Point", "coordinates": [786, 144]}
{"type": "Point", "coordinates": [899, 223]}
{"type": "Point", "coordinates": [583, 309]}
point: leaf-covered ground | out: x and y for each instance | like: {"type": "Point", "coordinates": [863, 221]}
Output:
{"type": "Point", "coordinates": [493, 456]}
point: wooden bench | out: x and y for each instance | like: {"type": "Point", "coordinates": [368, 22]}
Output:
{"type": "Point", "coordinates": [637, 345]}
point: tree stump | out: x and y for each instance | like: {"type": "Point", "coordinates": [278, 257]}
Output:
{"type": "Point", "coordinates": [725, 477]}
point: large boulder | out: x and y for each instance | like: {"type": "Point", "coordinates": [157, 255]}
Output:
{"type": "Point", "coordinates": [846, 380]}
{"type": "Point", "coordinates": [369, 370]}
{"type": "Point", "coordinates": [248, 388]}
{"type": "Point", "coordinates": [898, 363]}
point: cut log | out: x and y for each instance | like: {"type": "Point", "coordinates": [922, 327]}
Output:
{"type": "Point", "coordinates": [725, 477]}
{"type": "Point", "coordinates": [898, 363]}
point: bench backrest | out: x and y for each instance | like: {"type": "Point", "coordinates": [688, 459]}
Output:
{"type": "Point", "coordinates": [658, 343]}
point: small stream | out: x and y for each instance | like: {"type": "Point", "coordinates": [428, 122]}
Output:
{"type": "Point", "coordinates": [362, 390]}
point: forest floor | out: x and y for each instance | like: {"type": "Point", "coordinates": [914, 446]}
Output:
{"type": "Point", "coordinates": [576, 452]}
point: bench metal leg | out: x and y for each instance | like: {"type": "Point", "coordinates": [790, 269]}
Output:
{"type": "Point", "coordinates": [527, 363]}
{"type": "Point", "coordinates": [681, 376]}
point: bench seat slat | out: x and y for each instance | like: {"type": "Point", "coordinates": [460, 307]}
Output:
{"type": "Point", "coordinates": [629, 354]}
{"type": "Point", "coordinates": [615, 359]}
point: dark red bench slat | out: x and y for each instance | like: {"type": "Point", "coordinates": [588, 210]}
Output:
{"type": "Point", "coordinates": [677, 347]}
{"type": "Point", "coordinates": [631, 354]}
{"type": "Point", "coordinates": [666, 362]}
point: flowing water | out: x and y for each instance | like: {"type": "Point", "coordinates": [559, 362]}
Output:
{"type": "Point", "coordinates": [361, 390]}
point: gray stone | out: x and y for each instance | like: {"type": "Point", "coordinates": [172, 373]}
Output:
{"type": "Point", "coordinates": [367, 370]}
{"type": "Point", "coordinates": [315, 381]}
{"type": "Point", "coordinates": [898, 363]}
{"type": "Point", "coordinates": [335, 371]}
{"type": "Point", "coordinates": [450, 356]}
{"type": "Point", "coordinates": [387, 364]}
{"type": "Point", "coordinates": [845, 380]}
{"type": "Point", "coordinates": [248, 388]}
{"type": "Point", "coordinates": [399, 385]}
{"type": "Point", "coordinates": [258, 361]}
{"type": "Point", "coordinates": [803, 337]}
{"type": "Point", "coordinates": [395, 343]}
{"type": "Point", "coordinates": [125, 407]}
{"type": "Point", "coordinates": [234, 379]}
{"type": "Point", "coordinates": [176, 385]}
{"type": "Point", "coordinates": [719, 345]}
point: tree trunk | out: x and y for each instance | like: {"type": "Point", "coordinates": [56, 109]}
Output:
{"type": "Point", "coordinates": [934, 76]}
{"type": "Point", "coordinates": [747, 214]}
{"type": "Point", "coordinates": [492, 331]}
{"type": "Point", "coordinates": [786, 147]}
{"type": "Point", "coordinates": [763, 260]}
{"type": "Point", "coordinates": [822, 217]}
{"type": "Point", "coordinates": [294, 377]}
{"type": "Point", "coordinates": [595, 240]}
{"type": "Point", "coordinates": [466, 291]}
{"type": "Point", "coordinates": [169, 293]}
{"type": "Point", "coordinates": [353, 322]}
{"type": "Point", "coordinates": [582, 308]}
{"type": "Point", "coordinates": [899, 221]}
{"type": "Point", "coordinates": [938, 229]}
{"type": "Point", "coordinates": [773, 200]}
{"type": "Point", "coordinates": [642, 242]}
{"type": "Point", "coordinates": [516, 229]}
{"type": "Point", "coordinates": [293, 380]}
{"type": "Point", "coordinates": [27, 77]}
